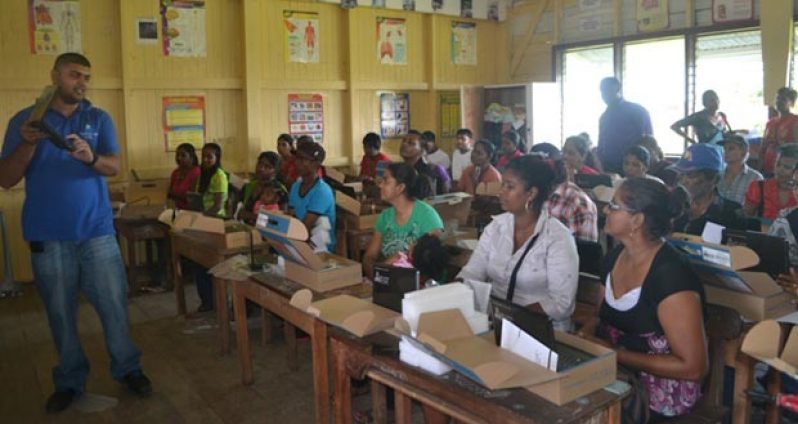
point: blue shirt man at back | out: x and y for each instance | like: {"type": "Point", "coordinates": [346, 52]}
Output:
{"type": "Point", "coordinates": [621, 126]}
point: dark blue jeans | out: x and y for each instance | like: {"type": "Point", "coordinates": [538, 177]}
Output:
{"type": "Point", "coordinates": [62, 270]}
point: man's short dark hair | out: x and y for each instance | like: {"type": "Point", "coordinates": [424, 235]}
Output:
{"type": "Point", "coordinates": [466, 132]}
{"type": "Point", "coordinates": [372, 140]}
{"type": "Point", "coordinates": [428, 136]}
{"type": "Point", "coordinates": [67, 58]}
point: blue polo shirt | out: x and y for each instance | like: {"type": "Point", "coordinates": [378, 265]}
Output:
{"type": "Point", "coordinates": [65, 200]}
{"type": "Point", "coordinates": [621, 126]}
{"type": "Point", "coordinates": [319, 200]}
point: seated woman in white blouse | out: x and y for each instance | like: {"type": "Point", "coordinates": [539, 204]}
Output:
{"type": "Point", "coordinates": [547, 278]}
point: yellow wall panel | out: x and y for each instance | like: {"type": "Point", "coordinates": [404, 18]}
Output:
{"type": "Point", "coordinates": [331, 42]}
{"type": "Point", "coordinates": [11, 205]}
{"type": "Point", "coordinates": [487, 53]}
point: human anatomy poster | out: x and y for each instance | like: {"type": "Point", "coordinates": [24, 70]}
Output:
{"type": "Point", "coordinates": [54, 26]}
{"type": "Point", "coordinates": [394, 114]}
{"type": "Point", "coordinates": [183, 27]}
{"type": "Point", "coordinates": [306, 116]}
{"type": "Point", "coordinates": [464, 43]}
{"type": "Point", "coordinates": [301, 36]}
{"type": "Point", "coordinates": [391, 41]}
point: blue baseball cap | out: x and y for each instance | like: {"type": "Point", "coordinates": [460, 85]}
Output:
{"type": "Point", "coordinates": [698, 157]}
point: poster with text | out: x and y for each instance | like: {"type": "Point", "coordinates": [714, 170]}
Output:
{"type": "Point", "coordinates": [184, 121]}
{"type": "Point", "coordinates": [54, 26]}
{"type": "Point", "coordinates": [301, 36]}
{"type": "Point", "coordinates": [732, 10]}
{"type": "Point", "coordinates": [464, 43]}
{"type": "Point", "coordinates": [183, 28]}
{"type": "Point", "coordinates": [466, 8]}
{"type": "Point", "coordinates": [449, 104]}
{"type": "Point", "coordinates": [652, 15]}
{"type": "Point", "coordinates": [394, 114]}
{"type": "Point", "coordinates": [391, 41]}
{"type": "Point", "coordinates": [306, 116]}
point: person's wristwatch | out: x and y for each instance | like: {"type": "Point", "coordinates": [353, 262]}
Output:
{"type": "Point", "coordinates": [94, 157]}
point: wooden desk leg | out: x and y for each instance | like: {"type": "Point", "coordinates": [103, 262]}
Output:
{"type": "Point", "coordinates": [614, 413]}
{"type": "Point", "coordinates": [321, 382]}
{"type": "Point", "coordinates": [342, 385]}
{"type": "Point", "coordinates": [240, 308]}
{"type": "Point", "coordinates": [743, 378]}
{"type": "Point", "coordinates": [289, 332]}
{"type": "Point", "coordinates": [403, 405]}
{"type": "Point", "coordinates": [180, 294]}
{"type": "Point", "coordinates": [266, 327]}
{"type": "Point", "coordinates": [433, 416]}
{"type": "Point", "coordinates": [774, 388]}
{"type": "Point", "coordinates": [379, 408]}
{"type": "Point", "coordinates": [222, 317]}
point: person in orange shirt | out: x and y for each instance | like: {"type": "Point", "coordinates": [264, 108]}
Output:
{"type": "Point", "coordinates": [285, 147]}
{"type": "Point", "coordinates": [779, 130]}
{"type": "Point", "coordinates": [371, 156]}
{"type": "Point", "coordinates": [481, 171]}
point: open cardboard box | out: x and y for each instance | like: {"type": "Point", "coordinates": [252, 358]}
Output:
{"type": "Point", "coordinates": [318, 271]}
{"type": "Point", "coordinates": [452, 206]}
{"type": "Point", "coordinates": [222, 234]}
{"type": "Point", "coordinates": [144, 199]}
{"type": "Point", "coordinates": [763, 342]}
{"type": "Point", "coordinates": [448, 337]}
{"type": "Point", "coordinates": [358, 216]}
{"type": "Point", "coordinates": [753, 294]}
{"type": "Point", "coordinates": [488, 189]}
{"type": "Point", "coordinates": [357, 316]}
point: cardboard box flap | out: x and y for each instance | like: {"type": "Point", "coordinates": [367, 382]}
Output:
{"type": "Point", "coordinates": [302, 299]}
{"type": "Point", "coordinates": [489, 189]}
{"type": "Point", "coordinates": [283, 225]}
{"type": "Point", "coordinates": [603, 193]}
{"type": "Point", "coordinates": [189, 220]}
{"type": "Point", "coordinates": [762, 342]}
{"type": "Point", "coordinates": [443, 325]}
{"type": "Point", "coordinates": [761, 283]}
{"type": "Point", "coordinates": [335, 174]}
{"type": "Point", "coordinates": [357, 316]}
{"type": "Point", "coordinates": [731, 257]}
{"type": "Point", "coordinates": [151, 192]}
{"type": "Point", "coordinates": [449, 198]}
{"type": "Point", "coordinates": [347, 203]}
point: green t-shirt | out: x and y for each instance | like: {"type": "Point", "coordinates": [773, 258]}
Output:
{"type": "Point", "coordinates": [398, 238]}
{"type": "Point", "coordinates": [218, 184]}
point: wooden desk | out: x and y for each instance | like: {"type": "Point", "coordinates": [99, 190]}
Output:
{"type": "Point", "coordinates": [452, 394]}
{"type": "Point", "coordinates": [205, 254]}
{"type": "Point", "coordinates": [273, 294]}
{"type": "Point", "coordinates": [149, 231]}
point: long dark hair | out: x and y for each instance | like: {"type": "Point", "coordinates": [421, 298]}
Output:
{"type": "Point", "coordinates": [189, 149]}
{"type": "Point", "coordinates": [533, 172]}
{"type": "Point", "coordinates": [659, 206]}
{"type": "Point", "coordinates": [207, 174]}
{"type": "Point", "coordinates": [416, 186]}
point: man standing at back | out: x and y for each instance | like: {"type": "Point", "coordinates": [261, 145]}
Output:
{"type": "Point", "coordinates": [621, 126]}
{"type": "Point", "coordinates": [68, 223]}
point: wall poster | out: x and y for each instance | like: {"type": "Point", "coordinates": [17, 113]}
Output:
{"type": "Point", "coordinates": [306, 116]}
{"type": "Point", "coordinates": [391, 41]}
{"type": "Point", "coordinates": [183, 121]}
{"type": "Point", "coordinates": [449, 104]}
{"type": "Point", "coordinates": [183, 27]}
{"type": "Point", "coordinates": [301, 36]}
{"type": "Point", "coordinates": [54, 26]}
{"type": "Point", "coordinates": [464, 43]}
{"type": "Point", "coordinates": [394, 114]}
{"type": "Point", "coordinates": [652, 15]}
{"type": "Point", "coordinates": [732, 10]}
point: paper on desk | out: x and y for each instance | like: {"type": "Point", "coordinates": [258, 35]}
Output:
{"type": "Point", "coordinates": [789, 318]}
{"type": "Point", "coordinates": [481, 294]}
{"type": "Point", "coordinates": [468, 244]}
{"type": "Point", "coordinates": [235, 268]}
{"type": "Point", "coordinates": [517, 341]}
{"type": "Point", "coordinates": [713, 233]}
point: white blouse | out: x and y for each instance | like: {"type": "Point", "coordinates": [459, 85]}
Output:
{"type": "Point", "coordinates": [549, 274]}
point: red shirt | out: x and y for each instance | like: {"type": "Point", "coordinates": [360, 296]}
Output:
{"type": "Point", "coordinates": [505, 159]}
{"type": "Point", "coordinates": [288, 171]}
{"type": "Point", "coordinates": [368, 166]}
{"type": "Point", "coordinates": [779, 130]}
{"type": "Point", "coordinates": [179, 187]}
{"type": "Point", "coordinates": [588, 170]}
{"type": "Point", "coordinates": [771, 199]}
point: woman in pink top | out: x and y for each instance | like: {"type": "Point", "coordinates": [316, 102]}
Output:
{"type": "Point", "coordinates": [481, 171]}
{"type": "Point", "coordinates": [509, 149]}
{"type": "Point", "coordinates": [780, 130]}
{"type": "Point", "coordinates": [577, 156]}
{"type": "Point", "coordinates": [186, 174]}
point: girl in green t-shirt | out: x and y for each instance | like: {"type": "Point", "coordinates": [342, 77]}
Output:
{"type": "Point", "coordinates": [212, 183]}
{"type": "Point", "coordinates": [408, 218]}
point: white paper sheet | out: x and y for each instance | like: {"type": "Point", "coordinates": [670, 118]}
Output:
{"type": "Point", "coordinates": [713, 233]}
{"type": "Point", "coordinates": [517, 341]}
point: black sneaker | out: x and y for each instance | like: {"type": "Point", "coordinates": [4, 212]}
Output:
{"type": "Point", "coordinates": [138, 383]}
{"type": "Point", "coordinates": [58, 401]}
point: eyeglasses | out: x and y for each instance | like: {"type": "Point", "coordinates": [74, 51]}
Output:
{"type": "Point", "coordinates": [614, 207]}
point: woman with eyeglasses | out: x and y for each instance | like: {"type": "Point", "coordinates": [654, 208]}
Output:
{"type": "Point", "coordinates": [528, 256]}
{"type": "Point", "coordinates": [651, 308]}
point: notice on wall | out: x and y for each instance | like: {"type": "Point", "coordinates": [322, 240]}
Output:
{"type": "Point", "coordinates": [732, 10]}
{"type": "Point", "coordinates": [652, 15]}
{"type": "Point", "coordinates": [183, 29]}
{"type": "Point", "coordinates": [146, 31]}
{"type": "Point", "coordinates": [184, 121]}
{"type": "Point", "coordinates": [449, 103]}
{"type": "Point", "coordinates": [306, 116]}
{"type": "Point", "coordinates": [391, 41]}
{"type": "Point", "coordinates": [394, 114]}
{"type": "Point", "coordinates": [54, 26]}
{"type": "Point", "coordinates": [464, 43]}
{"type": "Point", "coordinates": [301, 36]}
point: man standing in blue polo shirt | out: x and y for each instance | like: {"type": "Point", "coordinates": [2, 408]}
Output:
{"type": "Point", "coordinates": [621, 126]}
{"type": "Point", "coordinates": [68, 223]}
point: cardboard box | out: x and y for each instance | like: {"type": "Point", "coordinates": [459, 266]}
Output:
{"type": "Point", "coordinates": [753, 294]}
{"type": "Point", "coordinates": [452, 206]}
{"type": "Point", "coordinates": [222, 234]}
{"type": "Point", "coordinates": [358, 216]}
{"type": "Point", "coordinates": [488, 189]}
{"type": "Point", "coordinates": [318, 271]}
{"type": "Point", "coordinates": [357, 316]}
{"type": "Point", "coordinates": [763, 342]}
{"type": "Point", "coordinates": [448, 337]}
{"type": "Point", "coordinates": [144, 199]}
